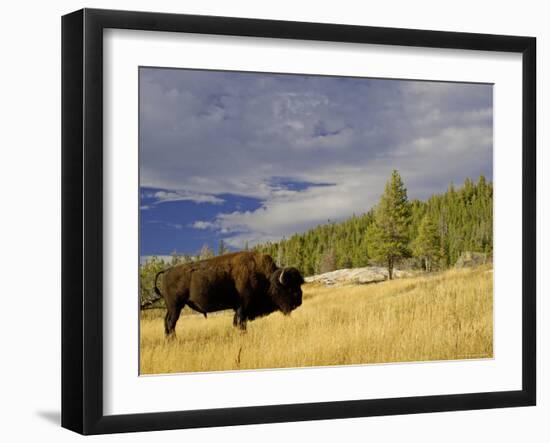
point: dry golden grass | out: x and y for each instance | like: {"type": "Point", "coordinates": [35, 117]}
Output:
{"type": "Point", "coordinates": [432, 317]}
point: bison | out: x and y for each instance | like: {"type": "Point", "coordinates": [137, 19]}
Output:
{"type": "Point", "coordinates": [248, 282]}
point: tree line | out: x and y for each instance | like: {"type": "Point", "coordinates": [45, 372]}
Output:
{"type": "Point", "coordinates": [423, 234]}
{"type": "Point", "coordinates": [429, 234]}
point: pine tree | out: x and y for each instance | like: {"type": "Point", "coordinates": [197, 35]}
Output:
{"type": "Point", "coordinates": [205, 252]}
{"type": "Point", "coordinates": [427, 245]}
{"type": "Point", "coordinates": [174, 258]}
{"type": "Point", "coordinates": [222, 249]}
{"type": "Point", "coordinates": [328, 261]}
{"type": "Point", "coordinates": [389, 235]}
{"type": "Point", "coordinates": [280, 254]}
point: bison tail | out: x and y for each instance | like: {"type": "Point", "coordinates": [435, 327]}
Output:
{"type": "Point", "coordinates": [157, 290]}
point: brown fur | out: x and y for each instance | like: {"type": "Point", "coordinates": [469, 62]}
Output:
{"type": "Point", "coordinates": [247, 282]}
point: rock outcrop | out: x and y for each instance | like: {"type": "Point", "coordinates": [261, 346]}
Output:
{"type": "Point", "coordinates": [360, 276]}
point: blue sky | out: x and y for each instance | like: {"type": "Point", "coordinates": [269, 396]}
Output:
{"type": "Point", "coordinates": [252, 157]}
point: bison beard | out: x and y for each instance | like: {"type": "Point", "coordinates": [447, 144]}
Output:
{"type": "Point", "coordinates": [248, 282]}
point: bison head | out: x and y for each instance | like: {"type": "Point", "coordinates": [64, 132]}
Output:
{"type": "Point", "coordinates": [285, 289]}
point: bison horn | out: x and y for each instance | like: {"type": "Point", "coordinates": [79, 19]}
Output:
{"type": "Point", "coordinates": [281, 277]}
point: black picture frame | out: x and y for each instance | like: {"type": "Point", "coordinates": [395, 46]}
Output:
{"type": "Point", "coordinates": [82, 218]}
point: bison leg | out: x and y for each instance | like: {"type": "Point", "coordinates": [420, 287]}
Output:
{"type": "Point", "coordinates": [239, 320]}
{"type": "Point", "coordinates": [170, 321]}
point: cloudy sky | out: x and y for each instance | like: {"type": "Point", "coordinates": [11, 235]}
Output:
{"type": "Point", "coordinates": [251, 157]}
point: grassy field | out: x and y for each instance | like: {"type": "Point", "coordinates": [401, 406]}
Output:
{"type": "Point", "coordinates": [432, 317]}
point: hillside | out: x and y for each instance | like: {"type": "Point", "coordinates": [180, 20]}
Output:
{"type": "Point", "coordinates": [443, 316]}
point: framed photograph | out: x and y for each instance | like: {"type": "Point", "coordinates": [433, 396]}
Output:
{"type": "Point", "coordinates": [269, 221]}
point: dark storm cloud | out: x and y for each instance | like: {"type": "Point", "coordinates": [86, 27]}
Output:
{"type": "Point", "coordinates": [204, 133]}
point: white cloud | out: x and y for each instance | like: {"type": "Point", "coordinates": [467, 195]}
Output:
{"type": "Point", "coordinates": [165, 223]}
{"type": "Point", "coordinates": [280, 216]}
{"type": "Point", "coordinates": [163, 197]}
{"type": "Point", "coordinates": [200, 224]}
